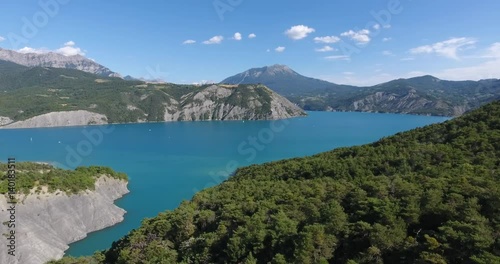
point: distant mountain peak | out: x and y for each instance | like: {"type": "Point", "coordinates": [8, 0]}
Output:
{"type": "Point", "coordinates": [56, 60]}
{"type": "Point", "coordinates": [279, 69]}
{"type": "Point", "coordinates": [280, 78]}
{"type": "Point", "coordinates": [427, 77]}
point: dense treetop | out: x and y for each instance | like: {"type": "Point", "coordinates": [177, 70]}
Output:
{"type": "Point", "coordinates": [30, 175]}
{"type": "Point", "coordinates": [431, 195]}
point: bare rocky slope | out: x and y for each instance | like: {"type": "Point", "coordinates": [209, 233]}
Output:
{"type": "Point", "coordinates": [48, 222]}
{"type": "Point", "coordinates": [56, 60]}
{"type": "Point", "coordinates": [59, 119]}
{"type": "Point", "coordinates": [215, 102]}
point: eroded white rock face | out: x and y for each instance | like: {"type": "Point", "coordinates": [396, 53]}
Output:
{"type": "Point", "coordinates": [47, 222]}
{"type": "Point", "coordinates": [209, 104]}
{"type": "Point", "coordinates": [5, 120]}
{"type": "Point", "coordinates": [61, 119]}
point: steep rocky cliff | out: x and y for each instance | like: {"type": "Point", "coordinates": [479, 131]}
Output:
{"type": "Point", "coordinates": [251, 102]}
{"type": "Point", "coordinates": [48, 222]}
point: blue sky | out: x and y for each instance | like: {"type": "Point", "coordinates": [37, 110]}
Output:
{"type": "Point", "coordinates": [351, 42]}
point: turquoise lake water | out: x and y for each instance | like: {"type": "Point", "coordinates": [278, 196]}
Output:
{"type": "Point", "coordinates": [168, 162]}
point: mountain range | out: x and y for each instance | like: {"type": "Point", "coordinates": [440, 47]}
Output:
{"type": "Point", "coordinates": [44, 97]}
{"type": "Point", "coordinates": [56, 60]}
{"type": "Point", "coordinates": [425, 95]}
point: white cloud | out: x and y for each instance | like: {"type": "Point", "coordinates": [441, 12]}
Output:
{"type": "Point", "coordinates": [361, 36]}
{"type": "Point", "coordinates": [386, 39]}
{"type": "Point", "coordinates": [494, 51]}
{"type": "Point", "coordinates": [69, 49]}
{"type": "Point", "coordinates": [359, 80]}
{"type": "Point", "coordinates": [485, 70]}
{"type": "Point", "coordinates": [408, 59]}
{"type": "Point", "coordinates": [204, 82]}
{"type": "Point", "coordinates": [387, 53]}
{"type": "Point", "coordinates": [327, 39]}
{"type": "Point", "coordinates": [26, 50]}
{"type": "Point", "coordinates": [280, 49]}
{"type": "Point", "coordinates": [251, 36]}
{"type": "Point", "coordinates": [268, 50]}
{"type": "Point", "coordinates": [325, 49]}
{"type": "Point", "coordinates": [214, 40]}
{"type": "Point", "coordinates": [416, 74]}
{"type": "Point", "coordinates": [2, 38]}
{"type": "Point", "coordinates": [376, 26]}
{"type": "Point", "coordinates": [387, 26]}
{"type": "Point", "coordinates": [448, 48]}
{"type": "Point", "coordinates": [237, 36]}
{"type": "Point", "coordinates": [348, 73]}
{"type": "Point", "coordinates": [299, 32]}
{"type": "Point", "coordinates": [189, 41]}
{"type": "Point", "coordinates": [338, 57]}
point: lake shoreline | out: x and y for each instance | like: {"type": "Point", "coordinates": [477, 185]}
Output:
{"type": "Point", "coordinates": [241, 120]}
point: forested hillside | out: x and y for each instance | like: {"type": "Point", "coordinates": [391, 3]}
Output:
{"type": "Point", "coordinates": [30, 92]}
{"type": "Point", "coordinates": [431, 195]}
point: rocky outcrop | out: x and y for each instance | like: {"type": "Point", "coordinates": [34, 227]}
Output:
{"type": "Point", "coordinates": [60, 119]}
{"type": "Point", "coordinates": [5, 120]}
{"type": "Point", "coordinates": [47, 222]}
{"type": "Point", "coordinates": [227, 103]}
{"type": "Point", "coordinates": [406, 103]}
{"type": "Point", "coordinates": [409, 101]}
{"type": "Point", "coordinates": [56, 60]}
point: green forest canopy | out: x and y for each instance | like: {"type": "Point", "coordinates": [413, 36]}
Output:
{"type": "Point", "coordinates": [30, 175]}
{"type": "Point", "coordinates": [431, 195]}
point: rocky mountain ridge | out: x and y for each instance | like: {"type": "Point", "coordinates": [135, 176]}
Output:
{"type": "Point", "coordinates": [426, 95]}
{"type": "Point", "coordinates": [48, 97]}
{"type": "Point", "coordinates": [56, 60]}
{"type": "Point", "coordinates": [280, 78]}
